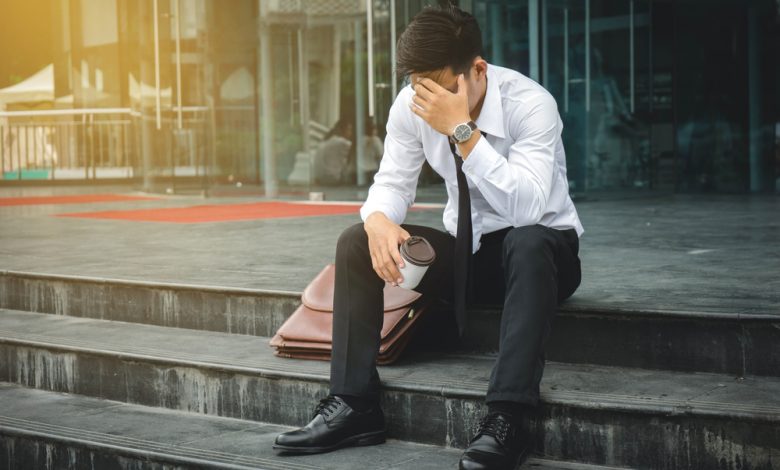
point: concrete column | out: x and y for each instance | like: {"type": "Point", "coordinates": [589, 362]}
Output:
{"type": "Point", "coordinates": [754, 100]}
{"type": "Point", "coordinates": [335, 106]}
{"type": "Point", "coordinates": [360, 104]}
{"type": "Point", "coordinates": [303, 87]}
{"type": "Point", "coordinates": [266, 106]}
{"type": "Point", "coordinates": [393, 40]}
{"type": "Point", "coordinates": [533, 39]}
{"type": "Point", "coordinates": [496, 33]}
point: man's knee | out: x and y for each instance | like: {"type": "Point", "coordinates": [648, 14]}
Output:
{"type": "Point", "coordinates": [526, 244]}
{"type": "Point", "coordinates": [351, 237]}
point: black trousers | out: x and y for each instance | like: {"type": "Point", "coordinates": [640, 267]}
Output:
{"type": "Point", "coordinates": [528, 270]}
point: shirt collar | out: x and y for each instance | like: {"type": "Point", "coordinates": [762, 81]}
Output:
{"type": "Point", "coordinates": [491, 117]}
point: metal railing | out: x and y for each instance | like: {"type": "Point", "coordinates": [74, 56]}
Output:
{"type": "Point", "coordinates": [67, 144]}
{"type": "Point", "coordinates": [318, 7]}
{"type": "Point", "coordinates": [104, 143]}
{"type": "Point", "coordinates": [120, 143]}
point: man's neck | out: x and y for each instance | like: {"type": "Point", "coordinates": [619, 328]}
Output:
{"type": "Point", "coordinates": [474, 114]}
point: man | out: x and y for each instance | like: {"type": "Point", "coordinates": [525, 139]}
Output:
{"type": "Point", "coordinates": [520, 242]}
{"type": "Point", "coordinates": [332, 156]}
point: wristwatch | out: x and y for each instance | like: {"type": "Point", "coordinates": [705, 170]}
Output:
{"type": "Point", "coordinates": [463, 132]}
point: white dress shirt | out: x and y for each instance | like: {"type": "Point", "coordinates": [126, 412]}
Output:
{"type": "Point", "coordinates": [516, 173]}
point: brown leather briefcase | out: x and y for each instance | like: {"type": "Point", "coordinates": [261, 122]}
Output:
{"type": "Point", "coordinates": [307, 334]}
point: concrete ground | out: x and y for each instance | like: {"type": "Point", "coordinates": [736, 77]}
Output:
{"type": "Point", "coordinates": [705, 254]}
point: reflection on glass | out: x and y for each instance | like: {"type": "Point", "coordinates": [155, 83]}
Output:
{"type": "Point", "coordinates": [619, 150]}
{"type": "Point", "coordinates": [183, 94]}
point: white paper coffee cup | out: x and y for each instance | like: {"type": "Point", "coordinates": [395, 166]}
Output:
{"type": "Point", "coordinates": [418, 254]}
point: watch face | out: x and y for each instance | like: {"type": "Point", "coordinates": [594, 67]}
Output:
{"type": "Point", "coordinates": [462, 132]}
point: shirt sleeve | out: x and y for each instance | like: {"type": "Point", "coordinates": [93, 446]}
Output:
{"type": "Point", "coordinates": [395, 183]}
{"type": "Point", "coordinates": [517, 186]}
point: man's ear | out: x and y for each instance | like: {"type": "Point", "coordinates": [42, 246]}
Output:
{"type": "Point", "coordinates": [480, 67]}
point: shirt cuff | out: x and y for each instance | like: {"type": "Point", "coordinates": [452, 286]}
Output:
{"type": "Point", "coordinates": [482, 160]}
{"type": "Point", "coordinates": [383, 201]}
{"type": "Point", "coordinates": [388, 211]}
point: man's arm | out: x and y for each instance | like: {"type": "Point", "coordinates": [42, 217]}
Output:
{"type": "Point", "coordinates": [393, 192]}
{"type": "Point", "coordinates": [517, 186]}
{"type": "Point", "coordinates": [395, 183]}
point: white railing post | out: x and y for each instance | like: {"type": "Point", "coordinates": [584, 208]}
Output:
{"type": "Point", "coordinates": [178, 64]}
{"type": "Point", "coordinates": [370, 47]}
{"type": "Point", "coordinates": [157, 96]}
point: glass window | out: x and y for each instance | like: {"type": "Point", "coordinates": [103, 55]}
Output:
{"type": "Point", "coordinates": [654, 94]}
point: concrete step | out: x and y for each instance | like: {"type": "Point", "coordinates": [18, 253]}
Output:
{"type": "Point", "coordinates": [591, 414]}
{"type": "Point", "coordinates": [49, 430]}
{"type": "Point", "coordinates": [741, 343]}
{"type": "Point", "coordinates": [73, 431]}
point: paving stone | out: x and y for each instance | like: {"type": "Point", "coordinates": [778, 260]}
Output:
{"type": "Point", "coordinates": [673, 253]}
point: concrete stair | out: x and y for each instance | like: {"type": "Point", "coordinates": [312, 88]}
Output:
{"type": "Point", "coordinates": [633, 389]}
{"type": "Point", "coordinates": [741, 343]}
{"type": "Point", "coordinates": [55, 430]}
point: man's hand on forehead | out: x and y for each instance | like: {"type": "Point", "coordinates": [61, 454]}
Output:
{"type": "Point", "coordinates": [439, 107]}
{"type": "Point", "coordinates": [432, 86]}
{"type": "Point", "coordinates": [427, 88]}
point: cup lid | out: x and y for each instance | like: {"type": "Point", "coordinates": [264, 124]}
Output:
{"type": "Point", "coordinates": [417, 250]}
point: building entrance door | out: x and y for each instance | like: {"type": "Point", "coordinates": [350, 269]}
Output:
{"type": "Point", "coordinates": [595, 61]}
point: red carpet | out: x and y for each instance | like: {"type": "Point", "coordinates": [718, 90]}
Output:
{"type": "Point", "coordinates": [69, 199]}
{"type": "Point", "coordinates": [223, 212]}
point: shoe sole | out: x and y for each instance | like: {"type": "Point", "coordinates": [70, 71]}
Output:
{"type": "Point", "coordinates": [366, 439]}
{"type": "Point", "coordinates": [518, 464]}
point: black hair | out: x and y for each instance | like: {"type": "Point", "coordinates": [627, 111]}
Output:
{"type": "Point", "coordinates": [340, 128]}
{"type": "Point", "coordinates": [370, 125]}
{"type": "Point", "coordinates": [436, 38]}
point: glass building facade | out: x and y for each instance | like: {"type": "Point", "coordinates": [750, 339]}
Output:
{"type": "Point", "coordinates": [655, 95]}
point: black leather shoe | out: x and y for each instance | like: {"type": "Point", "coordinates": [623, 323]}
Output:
{"type": "Point", "coordinates": [498, 445]}
{"type": "Point", "coordinates": [333, 426]}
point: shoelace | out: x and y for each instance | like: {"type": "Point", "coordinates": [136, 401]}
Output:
{"type": "Point", "coordinates": [327, 406]}
{"type": "Point", "coordinates": [496, 426]}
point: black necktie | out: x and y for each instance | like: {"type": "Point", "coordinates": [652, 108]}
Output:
{"type": "Point", "coordinates": [463, 244]}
